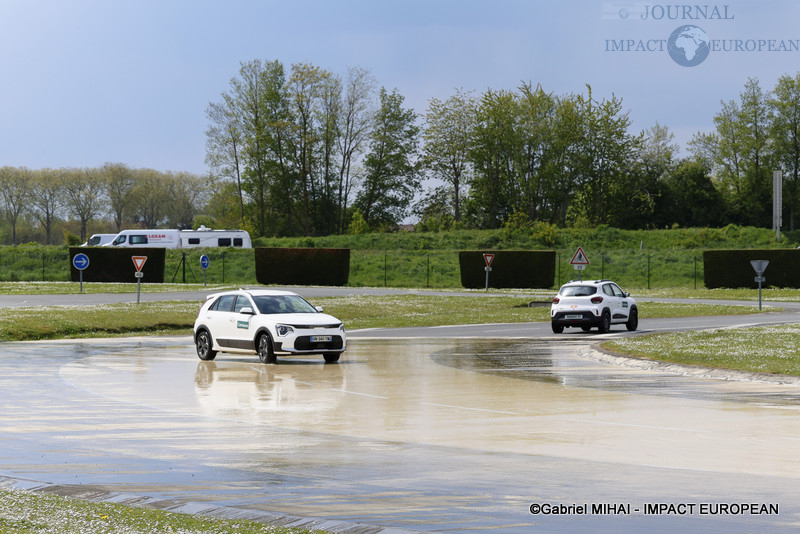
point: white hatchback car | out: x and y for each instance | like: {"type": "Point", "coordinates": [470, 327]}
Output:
{"type": "Point", "coordinates": [266, 322]}
{"type": "Point", "coordinates": [586, 304]}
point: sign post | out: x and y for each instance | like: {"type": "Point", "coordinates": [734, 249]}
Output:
{"type": "Point", "coordinates": [488, 258]}
{"type": "Point", "coordinates": [759, 266]}
{"type": "Point", "coordinates": [579, 262]}
{"type": "Point", "coordinates": [138, 262]}
{"type": "Point", "coordinates": [81, 262]}
{"type": "Point", "coordinates": [777, 202]}
{"type": "Point", "coordinates": [204, 263]}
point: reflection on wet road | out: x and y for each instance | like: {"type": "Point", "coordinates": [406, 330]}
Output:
{"type": "Point", "coordinates": [441, 435]}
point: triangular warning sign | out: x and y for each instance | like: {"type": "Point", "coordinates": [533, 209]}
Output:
{"type": "Point", "coordinates": [488, 258]}
{"type": "Point", "coordinates": [138, 262]}
{"type": "Point", "coordinates": [579, 258]}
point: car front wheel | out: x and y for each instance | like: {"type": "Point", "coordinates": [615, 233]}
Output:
{"type": "Point", "coordinates": [633, 320]}
{"type": "Point", "coordinates": [265, 351]}
{"type": "Point", "coordinates": [204, 344]}
{"type": "Point", "coordinates": [332, 357]}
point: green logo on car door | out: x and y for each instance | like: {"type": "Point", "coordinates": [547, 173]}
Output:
{"type": "Point", "coordinates": [243, 324]}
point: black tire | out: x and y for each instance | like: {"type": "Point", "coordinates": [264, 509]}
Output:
{"type": "Point", "coordinates": [332, 357]}
{"type": "Point", "coordinates": [203, 342]}
{"type": "Point", "coordinates": [633, 320]}
{"type": "Point", "coordinates": [605, 322]}
{"type": "Point", "coordinates": [264, 348]}
{"type": "Point", "coordinates": [557, 328]}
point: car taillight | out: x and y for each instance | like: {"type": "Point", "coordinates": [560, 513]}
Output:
{"type": "Point", "coordinates": [556, 300]}
{"type": "Point", "coordinates": [597, 300]}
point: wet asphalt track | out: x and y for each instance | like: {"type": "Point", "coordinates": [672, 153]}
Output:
{"type": "Point", "coordinates": [434, 430]}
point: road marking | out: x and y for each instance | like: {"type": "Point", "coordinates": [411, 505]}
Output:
{"type": "Point", "coordinates": [468, 408]}
{"type": "Point", "coordinates": [641, 426]}
{"type": "Point", "coordinates": [359, 394]}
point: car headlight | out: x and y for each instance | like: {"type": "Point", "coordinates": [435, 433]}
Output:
{"type": "Point", "coordinates": [283, 329]}
{"type": "Point", "coordinates": [341, 327]}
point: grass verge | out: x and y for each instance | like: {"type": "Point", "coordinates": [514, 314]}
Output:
{"type": "Point", "coordinates": [24, 512]}
{"type": "Point", "coordinates": [390, 311]}
{"type": "Point", "coordinates": [360, 311]}
{"type": "Point", "coordinates": [768, 349]}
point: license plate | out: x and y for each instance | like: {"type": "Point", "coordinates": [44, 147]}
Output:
{"type": "Point", "coordinates": [320, 339]}
{"type": "Point", "coordinates": [570, 317]}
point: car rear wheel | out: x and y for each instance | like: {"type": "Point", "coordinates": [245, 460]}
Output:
{"type": "Point", "coordinates": [605, 322]}
{"type": "Point", "coordinates": [557, 328]}
{"type": "Point", "coordinates": [204, 344]}
{"type": "Point", "coordinates": [633, 320]}
{"type": "Point", "coordinates": [332, 357]}
{"type": "Point", "coordinates": [264, 347]}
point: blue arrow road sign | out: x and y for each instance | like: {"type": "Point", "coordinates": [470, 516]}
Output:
{"type": "Point", "coordinates": [204, 261]}
{"type": "Point", "coordinates": [80, 261]}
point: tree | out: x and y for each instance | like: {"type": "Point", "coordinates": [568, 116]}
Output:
{"type": "Point", "coordinates": [607, 152]}
{"type": "Point", "coordinates": [390, 178]}
{"type": "Point", "coordinates": [785, 135]}
{"type": "Point", "coordinates": [495, 135]}
{"type": "Point", "coordinates": [637, 193]}
{"type": "Point", "coordinates": [119, 183]}
{"type": "Point", "coordinates": [739, 154]}
{"type": "Point", "coordinates": [249, 133]}
{"type": "Point", "coordinates": [47, 199]}
{"type": "Point", "coordinates": [307, 85]}
{"type": "Point", "coordinates": [83, 189]}
{"type": "Point", "coordinates": [152, 198]}
{"type": "Point", "coordinates": [186, 192]}
{"type": "Point", "coordinates": [354, 128]}
{"type": "Point", "coordinates": [448, 139]}
{"type": "Point", "coordinates": [690, 197]}
{"type": "Point", "coordinates": [224, 144]}
{"type": "Point", "coordinates": [435, 210]}
{"type": "Point", "coordinates": [755, 122]}
{"type": "Point", "coordinates": [15, 187]}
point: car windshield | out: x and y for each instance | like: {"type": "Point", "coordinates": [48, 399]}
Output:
{"type": "Point", "coordinates": [283, 304]}
{"type": "Point", "coordinates": [578, 291]}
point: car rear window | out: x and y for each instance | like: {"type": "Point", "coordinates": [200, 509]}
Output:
{"type": "Point", "coordinates": [578, 291]}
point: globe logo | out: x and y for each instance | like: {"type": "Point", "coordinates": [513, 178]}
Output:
{"type": "Point", "coordinates": [688, 46]}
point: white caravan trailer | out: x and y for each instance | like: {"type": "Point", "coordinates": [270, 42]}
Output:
{"type": "Point", "coordinates": [206, 237]}
{"type": "Point", "coordinates": [182, 238]}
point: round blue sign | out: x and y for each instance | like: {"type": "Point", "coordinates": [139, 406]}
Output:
{"type": "Point", "coordinates": [80, 261]}
{"type": "Point", "coordinates": [204, 261]}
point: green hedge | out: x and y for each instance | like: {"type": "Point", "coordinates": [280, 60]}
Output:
{"type": "Point", "coordinates": [303, 266]}
{"type": "Point", "coordinates": [510, 269]}
{"type": "Point", "coordinates": [732, 268]}
{"type": "Point", "coordinates": [116, 264]}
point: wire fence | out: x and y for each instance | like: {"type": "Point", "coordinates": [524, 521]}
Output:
{"type": "Point", "coordinates": [378, 268]}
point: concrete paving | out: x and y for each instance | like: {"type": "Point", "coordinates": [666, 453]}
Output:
{"type": "Point", "coordinates": [449, 434]}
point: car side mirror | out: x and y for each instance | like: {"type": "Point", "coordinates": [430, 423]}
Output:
{"type": "Point", "coordinates": [627, 294]}
{"type": "Point", "coordinates": [247, 310]}
{"type": "Point", "coordinates": [318, 308]}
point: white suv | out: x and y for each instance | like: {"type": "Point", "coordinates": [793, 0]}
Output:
{"type": "Point", "coordinates": [265, 322]}
{"type": "Point", "coordinates": [599, 303]}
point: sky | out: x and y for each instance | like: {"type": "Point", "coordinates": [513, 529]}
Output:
{"type": "Point", "coordinates": [85, 82]}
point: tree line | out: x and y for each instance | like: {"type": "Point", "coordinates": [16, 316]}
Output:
{"type": "Point", "coordinates": [38, 203]}
{"type": "Point", "coordinates": [304, 152]}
